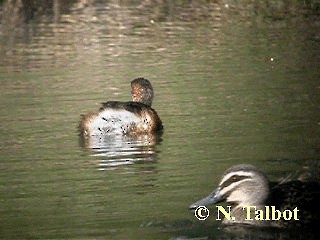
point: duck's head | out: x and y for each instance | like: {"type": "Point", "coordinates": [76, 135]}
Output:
{"type": "Point", "coordinates": [241, 185]}
{"type": "Point", "coordinates": [142, 91]}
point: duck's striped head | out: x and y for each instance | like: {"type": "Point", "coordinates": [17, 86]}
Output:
{"type": "Point", "coordinates": [241, 185]}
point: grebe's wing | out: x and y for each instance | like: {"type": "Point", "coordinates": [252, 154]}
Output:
{"type": "Point", "coordinates": [134, 107]}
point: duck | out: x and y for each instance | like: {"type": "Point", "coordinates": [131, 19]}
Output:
{"type": "Point", "coordinates": [245, 185]}
{"type": "Point", "coordinates": [124, 118]}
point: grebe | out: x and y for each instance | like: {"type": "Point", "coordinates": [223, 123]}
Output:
{"type": "Point", "coordinates": [127, 118]}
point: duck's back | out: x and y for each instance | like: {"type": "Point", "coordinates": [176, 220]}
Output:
{"type": "Point", "coordinates": [121, 118]}
{"type": "Point", "coordinates": [305, 196]}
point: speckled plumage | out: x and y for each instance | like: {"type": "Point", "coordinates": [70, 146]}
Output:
{"type": "Point", "coordinates": [126, 118]}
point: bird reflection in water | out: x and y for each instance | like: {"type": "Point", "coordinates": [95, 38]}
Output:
{"type": "Point", "coordinates": [115, 151]}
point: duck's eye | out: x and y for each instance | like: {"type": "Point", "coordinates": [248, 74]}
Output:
{"type": "Point", "coordinates": [234, 178]}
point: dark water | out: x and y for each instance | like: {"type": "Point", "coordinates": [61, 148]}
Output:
{"type": "Point", "coordinates": [234, 83]}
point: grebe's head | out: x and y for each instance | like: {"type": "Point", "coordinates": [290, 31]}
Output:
{"type": "Point", "coordinates": [142, 91]}
{"type": "Point", "coordinates": [242, 185]}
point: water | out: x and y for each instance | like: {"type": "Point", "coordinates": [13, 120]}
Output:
{"type": "Point", "coordinates": [234, 83]}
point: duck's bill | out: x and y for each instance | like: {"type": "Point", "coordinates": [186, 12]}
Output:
{"type": "Point", "coordinates": [211, 199]}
